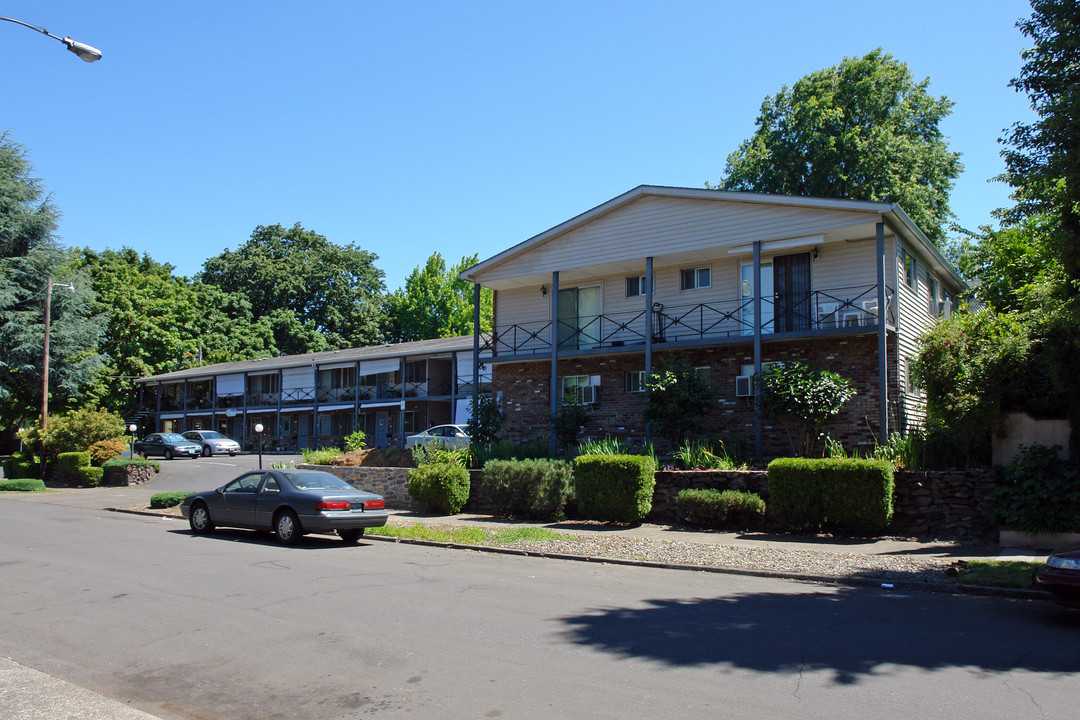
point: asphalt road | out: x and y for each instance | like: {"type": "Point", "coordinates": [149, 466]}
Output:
{"type": "Point", "coordinates": [195, 474]}
{"type": "Point", "coordinates": [235, 626]}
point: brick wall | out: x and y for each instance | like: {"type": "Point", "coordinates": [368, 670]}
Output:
{"type": "Point", "coordinates": [617, 413]}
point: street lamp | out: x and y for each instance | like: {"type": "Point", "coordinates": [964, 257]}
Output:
{"type": "Point", "coordinates": [45, 373]}
{"type": "Point", "coordinates": [84, 51]}
{"type": "Point", "coordinates": [131, 429]}
{"type": "Point", "coordinates": [258, 439]}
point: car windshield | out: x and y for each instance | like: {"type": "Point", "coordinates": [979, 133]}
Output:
{"type": "Point", "coordinates": [173, 437]}
{"type": "Point", "coordinates": [317, 481]}
{"type": "Point", "coordinates": [211, 435]}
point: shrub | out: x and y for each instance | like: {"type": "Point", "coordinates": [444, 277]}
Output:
{"type": "Point", "coordinates": [605, 446]}
{"type": "Point", "coordinates": [355, 441]}
{"type": "Point", "coordinates": [803, 399]}
{"type": "Point", "coordinates": [435, 453]}
{"type": "Point", "coordinates": [567, 421]}
{"type": "Point", "coordinates": [69, 462]}
{"type": "Point", "coordinates": [853, 495]}
{"type": "Point", "coordinates": [716, 509]}
{"type": "Point", "coordinates": [16, 467]}
{"type": "Point", "coordinates": [79, 429]}
{"type": "Point", "coordinates": [322, 456]}
{"type": "Point", "coordinates": [167, 499]}
{"type": "Point", "coordinates": [677, 400]}
{"type": "Point", "coordinates": [104, 450]}
{"type": "Point", "coordinates": [617, 488]}
{"type": "Point", "coordinates": [508, 450]}
{"type": "Point", "coordinates": [537, 489]}
{"type": "Point", "coordinates": [88, 476]}
{"type": "Point", "coordinates": [1039, 492]}
{"type": "Point", "coordinates": [485, 419]}
{"type": "Point", "coordinates": [441, 489]}
{"type": "Point", "coordinates": [695, 455]}
{"type": "Point", "coordinates": [22, 485]}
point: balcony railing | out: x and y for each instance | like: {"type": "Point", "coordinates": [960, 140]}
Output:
{"type": "Point", "coordinates": [817, 311]}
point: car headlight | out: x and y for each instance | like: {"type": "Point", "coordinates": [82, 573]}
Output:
{"type": "Point", "coordinates": [1063, 563]}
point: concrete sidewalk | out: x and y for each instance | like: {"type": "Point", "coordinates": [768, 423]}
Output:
{"type": "Point", "coordinates": [29, 694]}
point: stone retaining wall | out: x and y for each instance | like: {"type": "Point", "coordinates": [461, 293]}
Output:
{"type": "Point", "coordinates": [393, 484]}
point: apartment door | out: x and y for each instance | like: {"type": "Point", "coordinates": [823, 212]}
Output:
{"type": "Point", "coordinates": [382, 424]}
{"type": "Point", "coordinates": [579, 317]}
{"type": "Point", "coordinates": [791, 284]}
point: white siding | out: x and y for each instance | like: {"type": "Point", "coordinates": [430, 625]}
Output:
{"type": "Point", "coordinates": [655, 226]}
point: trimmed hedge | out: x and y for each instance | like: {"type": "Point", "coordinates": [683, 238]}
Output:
{"type": "Point", "coordinates": [615, 488]}
{"type": "Point", "coordinates": [442, 489]}
{"type": "Point", "coordinates": [22, 485]}
{"type": "Point", "coordinates": [537, 489]}
{"type": "Point", "coordinates": [713, 508]}
{"type": "Point", "coordinates": [17, 468]}
{"type": "Point", "coordinates": [70, 462]}
{"type": "Point", "coordinates": [849, 494]}
{"type": "Point", "coordinates": [89, 476]}
{"type": "Point", "coordinates": [167, 499]}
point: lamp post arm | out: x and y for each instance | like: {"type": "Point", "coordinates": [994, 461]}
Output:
{"type": "Point", "coordinates": [84, 51]}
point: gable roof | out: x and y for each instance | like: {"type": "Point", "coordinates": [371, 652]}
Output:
{"type": "Point", "coordinates": [890, 213]}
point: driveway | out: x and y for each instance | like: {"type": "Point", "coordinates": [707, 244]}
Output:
{"type": "Point", "coordinates": [192, 475]}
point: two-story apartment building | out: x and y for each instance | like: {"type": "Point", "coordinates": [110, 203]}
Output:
{"type": "Point", "coordinates": [731, 281]}
{"type": "Point", "coordinates": [315, 400]}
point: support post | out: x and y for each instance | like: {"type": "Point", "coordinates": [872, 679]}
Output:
{"type": "Point", "coordinates": [883, 367]}
{"type": "Point", "coordinates": [648, 330]}
{"type": "Point", "coordinates": [553, 404]}
{"type": "Point", "coordinates": [757, 346]}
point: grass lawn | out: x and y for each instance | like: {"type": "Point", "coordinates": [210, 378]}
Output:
{"type": "Point", "coordinates": [467, 535]}
{"type": "Point", "coordinates": [998, 573]}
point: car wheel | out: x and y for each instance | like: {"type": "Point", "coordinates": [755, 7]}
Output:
{"type": "Point", "coordinates": [168, 453]}
{"type": "Point", "coordinates": [349, 537]}
{"type": "Point", "coordinates": [232, 454]}
{"type": "Point", "coordinates": [287, 527]}
{"type": "Point", "coordinates": [199, 519]}
{"type": "Point", "coordinates": [207, 452]}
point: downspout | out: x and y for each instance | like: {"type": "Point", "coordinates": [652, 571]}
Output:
{"type": "Point", "coordinates": [883, 367]}
{"type": "Point", "coordinates": [553, 390]}
{"type": "Point", "coordinates": [757, 346]}
{"type": "Point", "coordinates": [648, 331]}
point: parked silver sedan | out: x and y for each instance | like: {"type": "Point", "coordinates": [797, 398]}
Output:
{"type": "Point", "coordinates": [288, 502]}
{"type": "Point", "coordinates": [450, 436]}
{"type": "Point", "coordinates": [213, 442]}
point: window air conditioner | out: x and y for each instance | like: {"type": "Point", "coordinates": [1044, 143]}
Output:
{"type": "Point", "coordinates": [744, 386]}
{"type": "Point", "coordinates": [588, 394]}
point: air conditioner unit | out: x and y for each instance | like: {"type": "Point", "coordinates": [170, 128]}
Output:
{"type": "Point", "coordinates": [588, 394]}
{"type": "Point", "coordinates": [945, 308]}
{"type": "Point", "coordinates": [744, 385]}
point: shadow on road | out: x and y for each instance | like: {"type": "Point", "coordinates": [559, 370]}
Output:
{"type": "Point", "coordinates": [854, 632]}
{"type": "Point", "coordinates": [308, 542]}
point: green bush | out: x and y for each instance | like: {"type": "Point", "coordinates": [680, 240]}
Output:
{"type": "Point", "coordinates": [79, 429]}
{"type": "Point", "coordinates": [703, 455]}
{"type": "Point", "coordinates": [88, 476]}
{"type": "Point", "coordinates": [322, 456]}
{"type": "Point", "coordinates": [537, 489]}
{"type": "Point", "coordinates": [17, 467]}
{"type": "Point", "coordinates": [508, 450]}
{"type": "Point", "coordinates": [167, 499]}
{"type": "Point", "coordinates": [1039, 492]}
{"type": "Point", "coordinates": [441, 489]}
{"type": "Point", "coordinates": [70, 462]}
{"type": "Point", "coordinates": [22, 485]}
{"type": "Point", "coordinates": [616, 488]}
{"type": "Point", "coordinates": [355, 441]}
{"type": "Point", "coordinates": [849, 494]}
{"type": "Point", "coordinates": [604, 446]}
{"type": "Point", "coordinates": [436, 453]}
{"type": "Point", "coordinates": [720, 509]}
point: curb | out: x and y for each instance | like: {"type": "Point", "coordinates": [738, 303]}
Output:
{"type": "Point", "coordinates": [869, 582]}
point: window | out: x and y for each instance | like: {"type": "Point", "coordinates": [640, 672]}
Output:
{"type": "Point", "coordinates": [695, 278]}
{"type": "Point", "coordinates": [703, 374]}
{"type": "Point", "coordinates": [746, 291]}
{"type": "Point", "coordinates": [410, 422]}
{"type": "Point", "coordinates": [931, 283]}
{"type": "Point", "coordinates": [579, 317]}
{"type": "Point", "coordinates": [910, 269]}
{"type": "Point", "coordinates": [574, 387]}
{"type": "Point", "coordinates": [635, 286]}
{"type": "Point", "coordinates": [635, 381]}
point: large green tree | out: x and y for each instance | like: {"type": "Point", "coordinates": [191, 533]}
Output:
{"type": "Point", "coordinates": [157, 322]}
{"type": "Point", "coordinates": [860, 130]}
{"type": "Point", "coordinates": [436, 303]}
{"type": "Point", "coordinates": [27, 216]}
{"type": "Point", "coordinates": [317, 295]}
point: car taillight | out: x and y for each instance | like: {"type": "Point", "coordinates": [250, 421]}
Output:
{"type": "Point", "coordinates": [374, 505]}
{"type": "Point", "coordinates": [333, 505]}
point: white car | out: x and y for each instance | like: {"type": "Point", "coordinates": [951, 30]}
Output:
{"type": "Point", "coordinates": [450, 436]}
{"type": "Point", "coordinates": [213, 442]}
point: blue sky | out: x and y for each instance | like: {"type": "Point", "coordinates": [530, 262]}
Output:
{"type": "Point", "coordinates": [464, 127]}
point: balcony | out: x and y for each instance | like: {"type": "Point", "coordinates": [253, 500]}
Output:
{"type": "Point", "coordinates": [839, 310]}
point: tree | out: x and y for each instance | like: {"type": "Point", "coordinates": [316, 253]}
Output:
{"type": "Point", "coordinates": [485, 420]}
{"type": "Point", "coordinates": [860, 130]}
{"type": "Point", "coordinates": [27, 216]}
{"type": "Point", "coordinates": [307, 286]}
{"type": "Point", "coordinates": [803, 399]}
{"type": "Point", "coordinates": [156, 322]}
{"type": "Point", "coordinates": [1043, 158]}
{"type": "Point", "coordinates": [73, 334]}
{"type": "Point", "coordinates": [436, 303]}
{"type": "Point", "coordinates": [677, 400]}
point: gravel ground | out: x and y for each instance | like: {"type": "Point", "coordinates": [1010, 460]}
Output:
{"type": "Point", "coordinates": [732, 557]}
